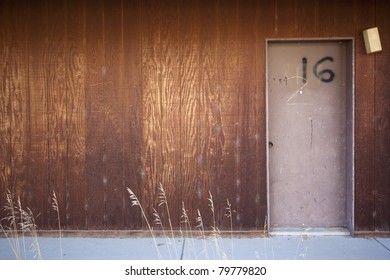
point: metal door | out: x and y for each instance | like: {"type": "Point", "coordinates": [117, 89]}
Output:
{"type": "Point", "coordinates": [307, 127]}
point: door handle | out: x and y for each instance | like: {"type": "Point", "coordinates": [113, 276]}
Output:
{"type": "Point", "coordinates": [270, 144]}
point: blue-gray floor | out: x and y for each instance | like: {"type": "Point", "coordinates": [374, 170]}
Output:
{"type": "Point", "coordinates": [273, 248]}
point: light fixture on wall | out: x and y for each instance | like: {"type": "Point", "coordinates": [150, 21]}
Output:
{"type": "Point", "coordinates": [372, 40]}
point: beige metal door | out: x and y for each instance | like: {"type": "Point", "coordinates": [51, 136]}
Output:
{"type": "Point", "coordinates": [307, 116]}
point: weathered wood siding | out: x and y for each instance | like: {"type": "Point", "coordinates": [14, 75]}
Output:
{"type": "Point", "coordinates": [97, 96]}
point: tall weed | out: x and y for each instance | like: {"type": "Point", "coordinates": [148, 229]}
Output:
{"type": "Point", "coordinates": [19, 223]}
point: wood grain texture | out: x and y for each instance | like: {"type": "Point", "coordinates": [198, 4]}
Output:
{"type": "Point", "coordinates": [343, 25]}
{"type": "Point", "coordinates": [152, 112]}
{"type": "Point", "coordinates": [97, 111]}
{"type": "Point", "coordinates": [190, 152]}
{"type": "Point", "coordinates": [306, 18]}
{"type": "Point", "coordinates": [222, 97]}
{"type": "Point", "coordinates": [286, 21]}
{"type": "Point", "coordinates": [382, 122]}
{"type": "Point", "coordinates": [18, 92]}
{"type": "Point", "coordinates": [21, 102]}
{"type": "Point", "coordinates": [113, 115]}
{"type": "Point", "coordinates": [38, 190]}
{"type": "Point", "coordinates": [266, 17]}
{"type": "Point", "coordinates": [5, 126]}
{"type": "Point", "coordinates": [248, 182]}
{"type": "Point", "coordinates": [211, 131]}
{"type": "Point", "coordinates": [364, 123]}
{"type": "Point", "coordinates": [133, 169]}
{"type": "Point", "coordinates": [56, 108]}
{"type": "Point", "coordinates": [325, 26]}
{"type": "Point", "coordinates": [97, 96]}
{"type": "Point", "coordinates": [169, 84]}
{"type": "Point", "coordinates": [75, 191]}
{"type": "Point", "coordinates": [229, 107]}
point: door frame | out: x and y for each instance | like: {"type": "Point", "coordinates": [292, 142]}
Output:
{"type": "Point", "coordinates": [350, 135]}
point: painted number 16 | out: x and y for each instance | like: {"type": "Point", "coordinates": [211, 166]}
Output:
{"type": "Point", "coordinates": [325, 75]}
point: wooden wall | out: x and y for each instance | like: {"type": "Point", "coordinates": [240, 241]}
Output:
{"type": "Point", "coordinates": [100, 95]}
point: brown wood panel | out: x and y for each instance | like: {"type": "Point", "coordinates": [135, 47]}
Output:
{"type": "Point", "coordinates": [38, 190]}
{"type": "Point", "coordinates": [228, 102]}
{"type": "Point", "coordinates": [225, 104]}
{"type": "Point", "coordinates": [211, 130]}
{"type": "Point", "coordinates": [169, 84]}
{"type": "Point", "coordinates": [266, 21]}
{"type": "Point", "coordinates": [306, 18]}
{"type": "Point", "coordinates": [382, 121]}
{"type": "Point", "coordinates": [364, 122]}
{"type": "Point", "coordinates": [5, 123]}
{"type": "Point", "coordinates": [55, 74]}
{"type": "Point", "coordinates": [286, 21]}
{"type": "Point", "coordinates": [113, 115]}
{"type": "Point", "coordinates": [248, 181]}
{"type": "Point", "coordinates": [191, 156]}
{"type": "Point", "coordinates": [75, 190]}
{"type": "Point", "coordinates": [18, 92]}
{"type": "Point", "coordinates": [97, 96]}
{"type": "Point", "coordinates": [325, 25]}
{"type": "Point", "coordinates": [151, 102]}
{"type": "Point", "coordinates": [97, 110]}
{"type": "Point", "coordinates": [13, 100]}
{"type": "Point", "coordinates": [344, 25]}
{"type": "Point", "coordinates": [133, 169]}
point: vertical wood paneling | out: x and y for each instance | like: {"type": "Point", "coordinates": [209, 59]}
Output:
{"type": "Point", "coordinates": [244, 113]}
{"type": "Point", "coordinates": [56, 106]}
{"type": "Point", "coordinates": [5, 125]}
{"type": "Point", "coordinates": [286, 22]}
{"type": "Point", "coordinates": [325, 25]}
{"type": "Point", "coordinates": [382, 121]}
{"type": "Point", "coordinates": [151, 101]}
{"type": "Point", "coordinates": [344, 26]}
{"type": "Point", "coordinates": [169, 83]}
{"type": "Point", "coordinates": [38, 190]}
{"type": "Point", "coordinates": [18, 64]}
{"type": "Point", "coordinates": [13, 100]}
{"type": "Point", "coordinates": [134, 168]}
{"type": "Point", "coordinates": [191, 156]}
{"type": "Point", "coordinates": [113, 107]}
{"type": "Point", "coordinates": [75, 194]}
{"type": "Point", "coordinates": [306, 18]}
{"type": "Point", "coordinates": [364, 121]}
{"type": "Point", "coordinates": [247, 183]}
{"type": "Point", "coordinates": [225, 107]}
{"type": "Point", "coordinates": [97, 96]}
{"type": "Point", "coordinates": [97, 113]}
{"type": "Point", "coordinates": [211, 131]}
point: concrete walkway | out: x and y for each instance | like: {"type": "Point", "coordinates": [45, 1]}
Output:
{"type": "Point", "coordinates": [273, 248]}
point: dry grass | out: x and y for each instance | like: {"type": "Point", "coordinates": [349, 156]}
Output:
{"type": "Point", "coordinates": [219, 251]}
{"type": "Point", "coordinates": [164, 202]}
{"type": "Point", "coordinates": [135, 202]}
{"type": "Point", "coordinates": [186, 228]}
{"type": "Point", "coordinates": [56, 208]}
{"type": "Point", "coordinates": [200, 227]}
{"type": "Point", "coordinates": [229, 215]}
{"type": "Point", "coordinates": [19, 223]}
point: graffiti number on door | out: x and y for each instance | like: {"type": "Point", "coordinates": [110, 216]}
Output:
{"type": "Point", "coordinates": [325, 75]}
